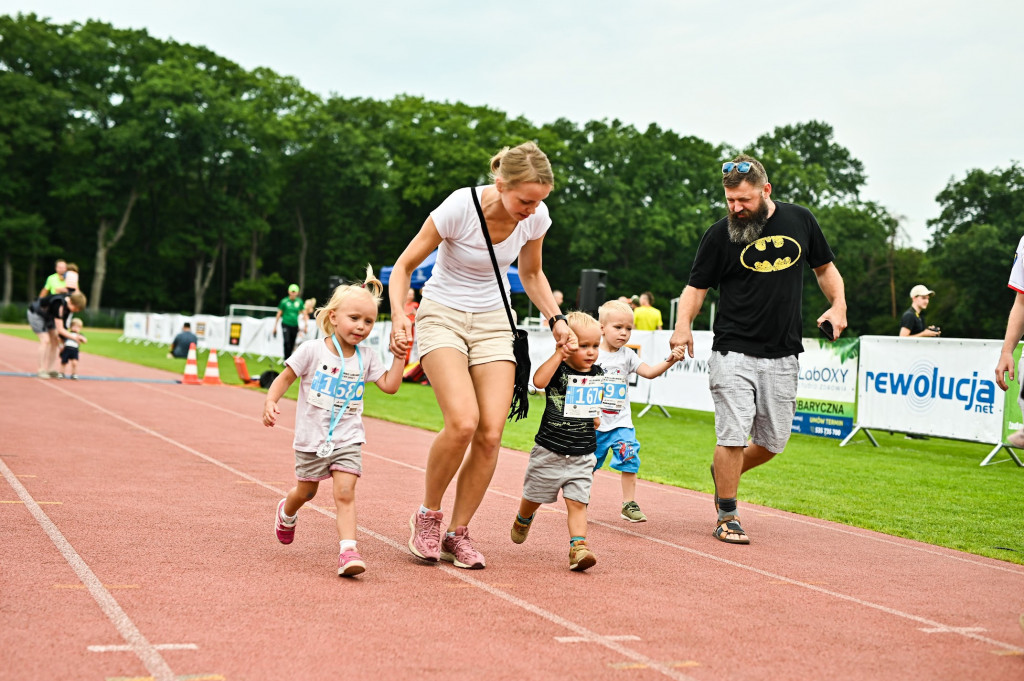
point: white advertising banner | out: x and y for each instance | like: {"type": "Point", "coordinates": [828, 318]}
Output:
{"type": "Point", "coordinates": [826, 393]}
{"type": "Point", "coordinates": [931, 386]}
{"type": "Point", "coordinates": [685, 384]}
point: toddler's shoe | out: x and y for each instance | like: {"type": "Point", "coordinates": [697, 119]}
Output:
{"type": "Point", "coordinates": [74, 377]}
{"type": "Point", "coordinates": [350, 563]}
{"type": "Point", "coordinates": [458, 550]}
{"type": "Point", "coordinates": [425, 538]}
{"type": "Point", "coordinates": [285, 532]}
{"type": "Point", "coordinates": [631, 512]}
{"type": "Point", "coordinates": [581, 557]}
{"type": "Point", "coordinates": [520, 530]}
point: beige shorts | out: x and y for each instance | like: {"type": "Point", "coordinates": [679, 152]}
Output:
{"type": "Point", "coordinates": [481, 336]}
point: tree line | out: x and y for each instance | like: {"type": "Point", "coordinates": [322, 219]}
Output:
{"type": "Point", "coordinates": [179, 181]}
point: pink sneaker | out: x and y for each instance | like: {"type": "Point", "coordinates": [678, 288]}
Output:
{"type": "Point", "coordinates": [425, 539]}
{"type": "Point", "coordinates": [459, 550]}
{"type": "Point", "coordinates": [285, 533]}
{"type": "Point", "coordinates": [350, 563]}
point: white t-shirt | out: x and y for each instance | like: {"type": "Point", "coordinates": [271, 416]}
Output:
{"type": "Point", "coordinates": [320, 372]}
{"type": "Point", "coordinates": [617, 366]}
{"type": "Point", "coordinates": [1017, 269]}
{"type": "Point", "coordinates": [463, 277]}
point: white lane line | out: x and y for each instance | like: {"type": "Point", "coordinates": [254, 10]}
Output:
{"type": "Point", "coordinates": [580, 639]}
{"type": "Point", "coordinates": [401, 547]}
{"type": "Point", "coordinates": [158, 646]}
{"type": "Point", "coordinates": [827, 525]}
{"type": "Point", "coordinates": [952, 630]}
{"type": "Point", "coordinates": [137, 643]}
{"type": "Point", "coordinates": [781, 578]}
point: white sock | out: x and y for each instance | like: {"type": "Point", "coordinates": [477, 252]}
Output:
{"type": "Point", "coordinates": [347, 544]}
{"type": "Point", "coordinates": [288, 519]}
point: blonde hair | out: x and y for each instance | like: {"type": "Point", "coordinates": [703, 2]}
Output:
{"type": "Point", "coordinates": [524, 163]}
{"type": "Point", "coordinates": [582, 320]}
{"type": "Point", "coordinates": [309, 305]}
{"type": "Point", "coordinates": [75, 321]}
{"type": "Point", "coordinates": [611, 307]}
{"type": "Point", "coordinates": [72, 267]}
{"type": "Point", "coordinates": [78, 299]}
{"type": "Point", "coordinates": [371, 288]}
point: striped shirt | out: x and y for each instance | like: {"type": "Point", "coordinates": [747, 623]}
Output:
{"type": "Point", "coordinates": [559, 433]}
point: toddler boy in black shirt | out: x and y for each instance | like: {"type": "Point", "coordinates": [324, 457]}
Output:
{"type": "Point", "coordinates": [563, 457]}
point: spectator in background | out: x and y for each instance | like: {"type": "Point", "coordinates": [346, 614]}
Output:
{"type": "Point", "coordinates": [182, 342]}
{"type": "Point", "coordinates": [634, 302]}
{"type": "Point", "coordinates": [647, 317]}
{"type": "Point", "coordinates": [1014, 331]}
{"type": "Point", "coordinates": [288, 314]}
{"type": "Point", "coordinates": [69, 353]}
{"type": "Point", "coordinates": [49, 318]}
{"type": "Point", "coordinates": [55, 282]}
{"type": "Point", "coordinates": [71, 278]}
{"type": "Point", "coordinates": [306, 331]}
{"type": "Point", "coordinates": [912, 323]}
{"type": "Point", "coordinates": [559, 298]}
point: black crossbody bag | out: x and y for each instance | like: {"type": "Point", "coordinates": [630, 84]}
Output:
{"type": "Point", "coordinates": [520, 341]}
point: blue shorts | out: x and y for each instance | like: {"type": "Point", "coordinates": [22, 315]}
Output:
{"type": "Point", "coordinates": [625, 449]}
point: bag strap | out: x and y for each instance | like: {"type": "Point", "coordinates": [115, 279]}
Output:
{"type": "Point", "coordinates": [494, 260]}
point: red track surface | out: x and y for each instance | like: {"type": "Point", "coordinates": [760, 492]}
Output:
{"type": "Point", "coordinates": [144, 523]}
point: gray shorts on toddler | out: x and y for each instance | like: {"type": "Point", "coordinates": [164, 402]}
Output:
{"type": "Point", "coordinates": [549, 472]}
{"type": "Point", "coordinates": [311, 468]}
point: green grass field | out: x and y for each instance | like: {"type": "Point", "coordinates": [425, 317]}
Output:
{"type": "Point", "coordinates": [931, 490]}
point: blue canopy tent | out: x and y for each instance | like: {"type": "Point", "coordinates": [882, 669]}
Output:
{"type": "Point", "coordinates": [422, 273]}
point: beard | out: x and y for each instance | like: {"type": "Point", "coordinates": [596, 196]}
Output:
{"type": "Point", "coordinates": [745, 227]}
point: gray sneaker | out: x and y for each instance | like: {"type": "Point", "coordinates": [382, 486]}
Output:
{"type": "Point", "coordinates": [631, 512]}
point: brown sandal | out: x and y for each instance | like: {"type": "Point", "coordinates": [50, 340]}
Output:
{"type": "Point", "coordinates": [730, 531]}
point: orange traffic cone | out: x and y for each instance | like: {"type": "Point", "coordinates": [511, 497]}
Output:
{"type": "Point", "coordinates": [191, 376]}
{"type": "Point", "coordinates": [212, 374]}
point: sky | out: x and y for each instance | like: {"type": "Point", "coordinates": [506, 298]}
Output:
{"type": "Point", "coordinates": [920, 92]}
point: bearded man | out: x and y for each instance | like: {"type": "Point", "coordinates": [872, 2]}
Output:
{"type": "Point", "coordinates": [755, 256]}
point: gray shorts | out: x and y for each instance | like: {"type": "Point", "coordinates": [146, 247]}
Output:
{"type": "Point", "coordinates": [38, 323]}
{"type": "Point", "coordinates": [311, 468]}
{"type": "Point", "coordinates": [753, 396]}
{"type": "Point", "coordinates": [548, 472]}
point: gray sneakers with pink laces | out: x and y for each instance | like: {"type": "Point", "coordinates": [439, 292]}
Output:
{"type": "Point", "coordinates": [425, 538]}
{"type": "Point", "coordinates": [458, 550]}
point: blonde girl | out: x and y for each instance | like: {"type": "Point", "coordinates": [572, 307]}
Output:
{"type": "Point", "coordinates": [465, 342]}
{"type": "Point", "coordinates": [328, 419]}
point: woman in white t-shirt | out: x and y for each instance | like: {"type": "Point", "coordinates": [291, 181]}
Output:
{"type": "Point", "coordinates": [465, 343]}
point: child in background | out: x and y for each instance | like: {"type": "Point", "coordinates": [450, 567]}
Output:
{"type": "Point", "coordinates": [563, 456]}
{"type": "Point", "coordinates": [71, 278]}
{"type": "Point", "coordinates": [69, 353]}
{"type": "Point", "coordinates": [616, 430]}
{"type": "Point", "coordinates": [328, 418]}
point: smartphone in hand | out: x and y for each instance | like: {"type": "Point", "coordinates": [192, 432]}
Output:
{"type": "Point", "coordinates": [826, 330]}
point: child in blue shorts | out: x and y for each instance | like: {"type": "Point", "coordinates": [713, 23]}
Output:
{"type": "Point", "coordinates": [616, 432]}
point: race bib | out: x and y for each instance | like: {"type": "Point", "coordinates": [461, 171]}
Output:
{"type": "Point", "coordinates": [583, 396]}
{"type": "Point", "coordinates": [326, 386]}
{"type": "Point", "coordinates": [616, 397]}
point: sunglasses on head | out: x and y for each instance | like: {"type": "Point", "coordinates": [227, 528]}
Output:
{"type": "Point", "coordinates": [741, 167]}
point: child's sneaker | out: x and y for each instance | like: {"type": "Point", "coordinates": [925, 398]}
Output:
{"type": "Point", "coordinates": [60, 375]}
{"type": "Point", "coordinates": [285, 532]}
{"type": "Point", "coordinates": [458, 550]}
{"type": "Point", "coordinates": [631, 512]}
{"type": "Point", "coordinates": [74, 377]}
{"type": "Point", "coordinates": [580, 557]}
{"type": "Point", "coordinates": [425, 540]}
{"type": "Point", "coordinates": [350, 563]}
{"type": "Point", "coordinates": [520, 530]}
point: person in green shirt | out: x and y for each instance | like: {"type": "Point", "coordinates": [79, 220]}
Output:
{"type": "Point", "coordinates": [288, 314]}
{"type": "Point", "coordinates": [646, 317]}
{"type": "Point", "coordinates": [55, 282]}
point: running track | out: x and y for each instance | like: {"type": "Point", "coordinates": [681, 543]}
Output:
{"type": "Point", "coordinates": [138, 544]}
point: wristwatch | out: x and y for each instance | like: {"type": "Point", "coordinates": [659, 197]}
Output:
{"type": "Point", "coordinates": [554, 320]}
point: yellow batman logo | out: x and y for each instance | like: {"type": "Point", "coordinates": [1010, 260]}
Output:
{"type": "Point", "coordinates": [771, 254]}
